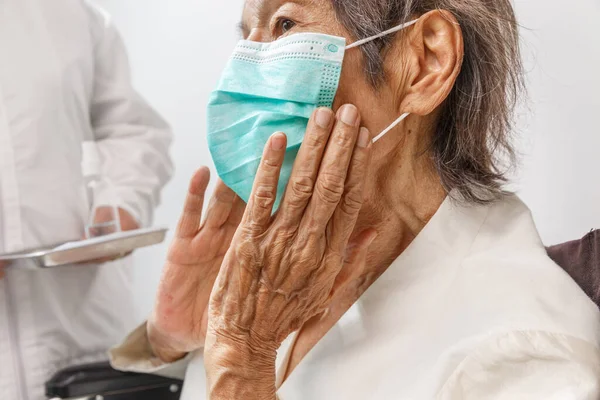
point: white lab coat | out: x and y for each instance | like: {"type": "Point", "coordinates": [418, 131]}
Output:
{"type": "Point", "coordinates": [64, 79]}
{"type": "Point", "coordinates": [472, 310]}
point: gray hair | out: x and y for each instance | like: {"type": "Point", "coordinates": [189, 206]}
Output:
{"type": "Point", "coordinates": [472, 145]}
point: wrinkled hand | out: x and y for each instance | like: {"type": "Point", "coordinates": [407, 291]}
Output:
{"type": "Point", "coordinates": [178, 322]}
{"type": "Point", "coordinates": [280, 271]}
{"type": "Point", "coordinates": [352, 282]}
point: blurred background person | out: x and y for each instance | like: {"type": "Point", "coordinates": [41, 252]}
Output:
{"type": "Point", "coordinates": [64, 80]}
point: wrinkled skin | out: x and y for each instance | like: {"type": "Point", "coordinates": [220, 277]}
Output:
{"type": "Point", "coordinates": [178, 322]}
{"type": "Point", "coordinates": [283, 270]}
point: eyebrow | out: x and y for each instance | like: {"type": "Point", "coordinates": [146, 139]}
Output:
{"type": "Point", "coordinates": [263, 13]}
{"type": "Point", "coordinates": [261, 10]}
{"type": "Point", "coordinates": [243, 29]}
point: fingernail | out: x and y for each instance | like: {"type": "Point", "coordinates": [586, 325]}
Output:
{"type": "Point", "coordinates": [278, 141]}
{"type": "Point", "coordinates": [323, 117]}
{"type": "Point", "coordinates": [363, 137]}
{"type": "Point", "coordinates": [349, 115]}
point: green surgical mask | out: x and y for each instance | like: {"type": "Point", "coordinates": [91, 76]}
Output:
{"type": "Point", "coordinates": [273, 87]}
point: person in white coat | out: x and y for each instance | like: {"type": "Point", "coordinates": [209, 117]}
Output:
{"type": "Point", "coordinates": [64, 80]}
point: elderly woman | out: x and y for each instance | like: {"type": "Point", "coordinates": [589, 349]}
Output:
{"type": "Point", "coordinates": [399, 268]}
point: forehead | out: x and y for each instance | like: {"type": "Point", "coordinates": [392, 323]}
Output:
{"type": "Point", "coordinates": [256, 11]}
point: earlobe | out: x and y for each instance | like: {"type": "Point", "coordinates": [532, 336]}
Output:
{"type": "Point", "coordinates": [437, 46]}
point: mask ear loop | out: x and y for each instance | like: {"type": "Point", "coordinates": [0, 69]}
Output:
{"type": "Point", "coordinates": [382, 34]}
{"type": "Point", "coordinates": [370, 39]}
{"type": "Point", "coordinates": [392, 126]}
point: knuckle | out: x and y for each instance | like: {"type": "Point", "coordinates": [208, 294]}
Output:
{"type": "Point", "coordinates": [303, 185]}
{"type": "Point", "coordinates": [248, 255]}
{"type": "Point", "coordinates": [270, 164]}
{"type": "Point", "coordinates": [351, 203]}
{"type": "Point", "coordinates": [284, 236]}
{"type": "Point", "coordinates": [316, 139]}
{"type": "Point", "coordinates": [264, 196]}
{"type": "Point", "coordinates": [330, 188]}
{"type": "Point", "coordinates": [246, 248]}
{"type": "Point", "coordinates": [251, 229]}
{"type": "Point", "coordinates": [345, 139]}
{"type": "Point", "coordinates": [302, 188]}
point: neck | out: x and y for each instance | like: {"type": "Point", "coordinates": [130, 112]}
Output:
{"type": "Point", "coordinates": [404, 192]}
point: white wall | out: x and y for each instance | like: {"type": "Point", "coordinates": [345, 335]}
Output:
{"type": "Point", "coordinates": [561, 139]}
{"type": "Point", "coordinates": [178, 47]}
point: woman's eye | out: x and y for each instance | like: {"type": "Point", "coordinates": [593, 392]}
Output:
{"type": "Point", "coordinates": [285, 25]}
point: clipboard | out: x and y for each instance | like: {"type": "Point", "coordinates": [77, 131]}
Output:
{"type": "Point", "coordinates": [82, 251]}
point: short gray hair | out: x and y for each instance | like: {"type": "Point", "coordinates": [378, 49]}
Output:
{"type": "Point", "coordinates": [472, 145]}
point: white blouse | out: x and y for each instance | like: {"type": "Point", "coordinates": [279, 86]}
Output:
{"type": "Point", "coordinates": [473, 309]}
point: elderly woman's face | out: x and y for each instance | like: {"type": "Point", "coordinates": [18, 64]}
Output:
{"type": "Point", "coordinates": [269, 20]}
{"type": "Point", "coordinates": [419, 68]}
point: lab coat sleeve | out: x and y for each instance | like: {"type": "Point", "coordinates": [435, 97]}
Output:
{"type": "Point", "coordinates": [135, 355]}
{"type": "Point", "coordinates": [527, 365]}
{"type": "Point", "coordinates": [132, 139]}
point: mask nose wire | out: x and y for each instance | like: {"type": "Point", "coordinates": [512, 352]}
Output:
{"type": "Point", "coordinates": [382, 34]}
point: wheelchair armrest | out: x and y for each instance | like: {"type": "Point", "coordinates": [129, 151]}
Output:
{"type": "Point", "coordinates": [100, 379]}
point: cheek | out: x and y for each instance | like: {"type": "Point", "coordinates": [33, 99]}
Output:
{"type": "Point", "coordinates": [352, 85]}
{"type": "Point", "coordinates": [355, 89]}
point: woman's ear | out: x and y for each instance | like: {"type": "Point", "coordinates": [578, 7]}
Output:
{"type": "Point", "coordinates": [433, 53]}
